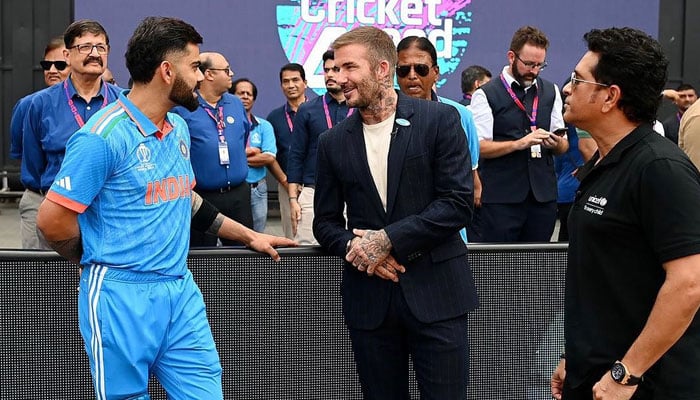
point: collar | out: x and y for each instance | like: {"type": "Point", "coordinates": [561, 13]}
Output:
{"type": "Point", "coordinates": [143, 123]}
{"type": "Point", "coordinates": [253, 121]}
{"type": "Point", "coordinates": [615, 154]}
{"type": "Point", "coordinates": [74, 93]}
{"type": "Point", "coordinates": [510, 79]}
{"type": "Point", "coordinates": [223, 100]}
{"type": "Point", "coordinates": [327, 98]}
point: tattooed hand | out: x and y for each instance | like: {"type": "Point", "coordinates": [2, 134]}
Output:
{"type": "Point", "coordinates": [370, 252]}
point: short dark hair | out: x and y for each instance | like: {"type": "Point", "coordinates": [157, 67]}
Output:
{"type": "Point", "coordinates": [634, 61]}
{"type": "Point", "coordinates": [472, 74]}
{"type": "Point", "coordinates": [293, 67]}
{"type": "Point", "coordinates": [79, 28]}
{"type": "Point", "coordinates": [528, 35]}
{"type": "Point", "coordinates": [685, 86]}
{"type": "Point", "coordinates": [55, 43]}
{"type": "Point", "coordinates": [421, 43]}
{"type": "Point", "coordinates": [153, 40]}
{"type": "Point", "coordinates": [328, 55]}
{"type": "Point", "coordinates": [237, 81]}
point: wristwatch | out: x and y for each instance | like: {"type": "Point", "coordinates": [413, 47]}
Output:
{"type": "Point", "coordinates": [620, 375]}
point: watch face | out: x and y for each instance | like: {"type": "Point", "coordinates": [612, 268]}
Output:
{"type": "Point", "coordinates": [618, 372]}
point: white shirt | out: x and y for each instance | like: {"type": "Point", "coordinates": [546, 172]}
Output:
{"type": "Point", "coordinates": [483, 115]}
{"type": "Point", "coordinates": [377, 142]}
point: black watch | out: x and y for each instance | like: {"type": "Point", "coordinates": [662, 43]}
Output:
{"type": "Point", "coordinates": [620, 375]}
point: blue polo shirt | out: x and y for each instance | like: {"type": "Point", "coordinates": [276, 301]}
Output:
{"type": "Point", "coordinates": [133, 192]}
{"type": "Point", "coordinates": [210, 173]}
{"type": "Point", "coordinates": [19, 112]}
{"type": "Point", "coordinates": [282, 121]}
{"type": "Point", "coordinates": [263, 137]}
{"type": "Point", "coordinates": [309, 123]}
{"type": "Point", "coordinates": [49, 124]}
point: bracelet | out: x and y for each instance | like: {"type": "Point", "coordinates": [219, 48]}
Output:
{"type": "Point", "coordinates": [562, 356]}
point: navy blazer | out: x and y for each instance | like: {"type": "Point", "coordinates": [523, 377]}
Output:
{"type": "Point", "coordinates": [429, 197]}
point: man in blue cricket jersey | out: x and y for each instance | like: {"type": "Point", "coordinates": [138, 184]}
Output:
{"type": "Point", "coordinates": [121, 206]}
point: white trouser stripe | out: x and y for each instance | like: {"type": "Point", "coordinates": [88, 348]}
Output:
{"type": "Point", "coordinates": [97, 273]}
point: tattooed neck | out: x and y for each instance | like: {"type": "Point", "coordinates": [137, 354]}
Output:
{"type": "Point", "coordinates": [383, 107]}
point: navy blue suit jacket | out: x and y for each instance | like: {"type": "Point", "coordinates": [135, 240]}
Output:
{"type": "Point", "coordinates": [429, 195]}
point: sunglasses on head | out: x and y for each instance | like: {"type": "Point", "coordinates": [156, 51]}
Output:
{"type": "Point", "coordinates": [60, 65]}
{"type": "Point", "coordinates": [421, 69]}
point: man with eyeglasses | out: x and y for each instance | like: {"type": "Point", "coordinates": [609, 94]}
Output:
{"type": "Point", "coordinates": [631, 293]}
{"type": "Point", "coordinates": [57, 112]}
{"type": "Point", "coordinates": [219, 130]}
{"type": "Point", "coordinates": [516, 115]}
{"type": "Point", "coordinates": [311, 120]}
{"type": "Point", "coordinates": [417, 72]}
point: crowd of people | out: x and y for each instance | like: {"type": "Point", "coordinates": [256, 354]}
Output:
{"type": "Point", "coordinates": [393, 181]}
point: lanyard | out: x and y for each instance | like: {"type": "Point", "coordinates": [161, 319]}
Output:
{"type": "Point", "coordinates": [679, 116]}
{"type": "Point", "coordinates": [516, 100]}
{"type": "Point", "coordinates": [329, 122]}
{"type": "Point", "coordinates": [74, 109]}
{"type": "Point", "coordinates": [219, 122]}
{"type": "Point", "coordinates": [290, 124]}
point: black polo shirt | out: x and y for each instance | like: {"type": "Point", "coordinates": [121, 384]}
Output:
{"type": "Point", "coordinates": [638, 208]}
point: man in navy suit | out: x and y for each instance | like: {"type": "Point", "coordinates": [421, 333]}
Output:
{"type": "Point", "coordinates": [398, 164]}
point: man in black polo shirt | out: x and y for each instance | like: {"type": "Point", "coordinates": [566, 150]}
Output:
{"type": "Point", "coordinates": [632, 284]}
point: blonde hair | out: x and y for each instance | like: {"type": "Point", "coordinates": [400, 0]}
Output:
{"type": "Point", "coordinates": [377, 42]}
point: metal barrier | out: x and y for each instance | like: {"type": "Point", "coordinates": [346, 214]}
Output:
{"type": "Point", "coordinates": [278, 326]}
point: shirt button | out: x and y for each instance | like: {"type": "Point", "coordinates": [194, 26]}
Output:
{"type": "Point", "coordinates": [88, 108]}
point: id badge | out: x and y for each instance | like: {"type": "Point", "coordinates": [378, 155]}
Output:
{"type": "Point", "coordinates": [536, 151]}
{"type": "Point", "coordinates": [223, 154]}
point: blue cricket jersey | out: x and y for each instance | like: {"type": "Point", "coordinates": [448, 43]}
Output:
{"type": "Point", "coordinates": [131, 184]}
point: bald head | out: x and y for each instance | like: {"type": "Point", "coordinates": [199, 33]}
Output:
{"type": "Point", "coordinates": [217, 72]}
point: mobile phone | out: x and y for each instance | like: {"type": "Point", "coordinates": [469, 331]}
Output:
{"type": "Point", "coordinates": [560, 132]}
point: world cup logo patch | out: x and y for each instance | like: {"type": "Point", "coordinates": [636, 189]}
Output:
{"type": "Point", "coordinates": [184, 150]}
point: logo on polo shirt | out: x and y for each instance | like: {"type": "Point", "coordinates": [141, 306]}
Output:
{"type": "Point", "coordinates": [64, 183]}
{"type": "Point", "coordinates": [595, 205]}
{"type": "Point", "coordinates": [143, 153]}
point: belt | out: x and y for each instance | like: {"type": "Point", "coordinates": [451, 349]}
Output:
{"type": "Point", "coordinates": [254, 185]}
{"type": "Point", "coordinates": [40, 192]}
{"type": "Point", "coordinates": [312, 186]}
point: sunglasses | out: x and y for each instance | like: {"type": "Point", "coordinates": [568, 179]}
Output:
{"type": "Point", "coordinates": [421, 69]}
{"type": "Point", "coordinates": [60, 65]}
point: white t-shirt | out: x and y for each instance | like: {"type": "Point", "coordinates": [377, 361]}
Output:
{"type": "Point", "coordinates": [377, 142]}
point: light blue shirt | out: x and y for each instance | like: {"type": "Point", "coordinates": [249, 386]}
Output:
{"type": "Point", "coordinates": [261, 136]}
{"type": "Point", "coordinates": [131, 184]}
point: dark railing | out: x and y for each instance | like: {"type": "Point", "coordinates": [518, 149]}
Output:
{"type": "Point", "coordinates": [278, 326]}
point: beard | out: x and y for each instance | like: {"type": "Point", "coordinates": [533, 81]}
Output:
{"type": "Point", "coordinates": [524, 80]}
{"type": "Point", "coordinates": [183, 95]}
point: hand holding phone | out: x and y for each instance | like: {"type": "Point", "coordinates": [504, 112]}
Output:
{"type": "Point", "coordinates": [560, 132]}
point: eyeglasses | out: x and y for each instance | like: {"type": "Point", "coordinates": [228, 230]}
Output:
{"type": "Point", "coordinates": [87, 48]}
{"type": "Point", "coordinates": [421, 69]}
{"type": "Point", "coordinates": [227, 70]}
{"type": "Point", "coordinates": [532, 65]}
{"type": "Point", "coordinates": [575, 81]}
{"type": "Point", "coordinates": [46, 65]}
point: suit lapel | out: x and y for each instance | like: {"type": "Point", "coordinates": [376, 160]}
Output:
{"type": "Point", "coordinates": [397, 150]}
{"type": "Point", "coordinates": [356, 147]}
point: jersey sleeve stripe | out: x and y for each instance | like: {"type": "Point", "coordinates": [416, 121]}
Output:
{"type": "Point", "coordinates": [66, 202]}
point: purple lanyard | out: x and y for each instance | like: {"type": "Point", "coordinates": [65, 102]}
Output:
{"type": "Point", "coordinates": [679, 116]}
{"type": "Point", "coordinates": [219, 122]}
{"type": "Point", "coordinates": [329, 122]}
{"type": "Point", "coordinates": [516, 100]}
{"type": "Point", "coordinates": [74, 109]}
